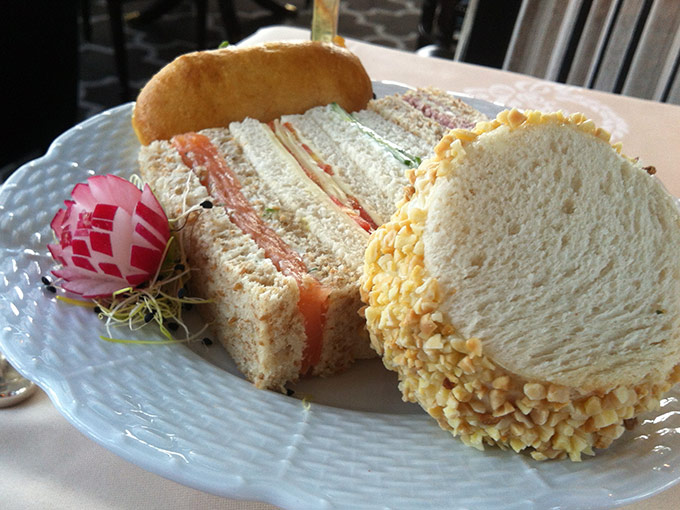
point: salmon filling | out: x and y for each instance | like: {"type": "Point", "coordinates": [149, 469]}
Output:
{"type": "Point", "coordinates": [223, 185]}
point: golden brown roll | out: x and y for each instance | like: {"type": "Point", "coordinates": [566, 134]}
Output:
{"type": "Point", "coordinates": [208, 89]}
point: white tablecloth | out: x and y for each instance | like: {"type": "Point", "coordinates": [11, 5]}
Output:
{"type": "Point", "coordinates": [45, 463]}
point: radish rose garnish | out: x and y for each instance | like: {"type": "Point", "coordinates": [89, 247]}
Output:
{"type": "Point", "coordinates": [117, 249]}
{"type": "Point", "coordinates": [111, 236]}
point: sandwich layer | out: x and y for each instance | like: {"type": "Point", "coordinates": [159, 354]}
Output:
{"type": "Point", "coordinates": [526, 291]}
{"type": "Point", "coordinates": [210, 239]}
{"type": "Point", "coordinates": [427, 112]}
{"type": "Point", "coordinates": [376, 176]}
{"type": "Point", "coordinates": [264, 306]}
{"type": "Point", "coordinates": [202, 156]}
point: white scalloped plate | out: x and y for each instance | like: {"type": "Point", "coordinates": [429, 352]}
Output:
{"type": "Point", "coordinates": [189, 416]}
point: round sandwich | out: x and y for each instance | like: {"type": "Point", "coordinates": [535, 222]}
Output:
{"type": "Point", "coordinates": [527, 290]}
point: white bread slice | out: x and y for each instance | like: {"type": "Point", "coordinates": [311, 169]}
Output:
{"type": "Point", "coordinates": [301, 196]}
{"type": "Point", "coordinates": [427, 112]}
{"type": "Point", "coordinates": [416, 144]}
{"type": "Point", "coordinates": [398, 111]}
{"type": "Point", "coordinates": [444, 108]}
{"type": "Point", "coordinates": [528, 290]}
{"type": "Point", "coordinates": [376, 176]}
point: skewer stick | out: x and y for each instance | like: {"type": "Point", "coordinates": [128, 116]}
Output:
{"type": "Point", "coordinates": [325, 20]}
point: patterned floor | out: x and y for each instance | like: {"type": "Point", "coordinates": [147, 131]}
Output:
{"type": "Point", "coordinates": [392, 23]}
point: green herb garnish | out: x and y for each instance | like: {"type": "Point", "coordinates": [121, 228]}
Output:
{"type": "Point", "coordinates": [269, 211]}
{"type": "Point", "coordinates": [160, 302]}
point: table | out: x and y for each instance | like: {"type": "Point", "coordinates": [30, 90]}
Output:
{"type": "Point", "coordinates": [46, 463]}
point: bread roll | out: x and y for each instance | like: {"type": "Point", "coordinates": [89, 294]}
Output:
{"type": "Point", "coordinates": [208, 89]}
{"type": "Point", "coordinates": [528, 290]}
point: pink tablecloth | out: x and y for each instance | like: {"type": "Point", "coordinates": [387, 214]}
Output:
{"type": "Point", "coordinates": [46, 463]}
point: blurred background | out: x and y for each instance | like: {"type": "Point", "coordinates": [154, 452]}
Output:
{"type": "Point", "coordinates": [66, 60]}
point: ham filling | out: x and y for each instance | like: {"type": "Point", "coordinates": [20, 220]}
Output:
{"type": "Point", "coordinates": [437, 112]}
{"type": "Point", "coordinates": [223, 185]}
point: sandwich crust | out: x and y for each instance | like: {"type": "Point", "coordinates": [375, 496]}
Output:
{"type": "Point", "coordinates": [208, 89]}
{"type": "Point", "coordinates": [425, 325]}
